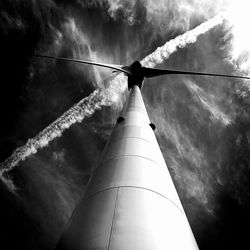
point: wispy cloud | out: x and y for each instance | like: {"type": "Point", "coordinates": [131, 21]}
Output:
{"type": "Point", "coordinates": [87, 106]}
{"type": "Point", "coordinates": [77, 113]}
{"type": "Point", "coordinates": [207, 102]}
{"type": "Point", "coordinates": [163, 53]}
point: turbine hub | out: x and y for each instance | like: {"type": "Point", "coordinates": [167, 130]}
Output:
{"type": "Point", "coordinates": [136, 77]}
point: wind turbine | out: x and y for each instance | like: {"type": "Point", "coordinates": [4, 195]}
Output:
{"type": "Point", "coordinates": [131, 202]}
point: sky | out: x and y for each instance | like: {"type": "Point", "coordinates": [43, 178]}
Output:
{"type": "Point", "coordinates": [203, 123]}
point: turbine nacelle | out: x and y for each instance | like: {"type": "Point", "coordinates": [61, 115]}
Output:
{"type": "Point", "coordinates": [136, 74]}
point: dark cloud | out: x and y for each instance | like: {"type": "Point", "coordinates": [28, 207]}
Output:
{"type": "Point", "coordinates": [202, 123]}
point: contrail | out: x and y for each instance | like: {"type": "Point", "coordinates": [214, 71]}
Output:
{"type": "Point", "coordinates": [163, 52]}
{"type": "Point", "coordinates": [87, 106]}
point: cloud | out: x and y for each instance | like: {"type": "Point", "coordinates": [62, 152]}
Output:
{"type": "Point", "coordinates": [59, 157]}
{"type": "Point", "coordinates": [165, 14]}
{"type": "Point", "coordinates": [207, 101]}
{"type": "Point", "coordinates": [202, 130]}
{"type": "Point", "coordinates": [97, 99]}
{"type": "Point", "coordinates": [9, 184]}
{"type": "Point", "coordinates": [77, 113]}
{"type": "Point", "coordinates": [54, 194]}
{"type": "Point", "coordinates": [162, 53]}
{"type": "Point", "coordinates": [236, 26]}
{"type": "Point", "coordinates": [185, 160]}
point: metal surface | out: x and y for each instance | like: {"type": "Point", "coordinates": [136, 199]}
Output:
{"type": "Point", "coordinates": [90, 224]}
{"type": "Point", "coordinates": [131, 201]}
{"type": "Point", "coordinates": [146, 221]}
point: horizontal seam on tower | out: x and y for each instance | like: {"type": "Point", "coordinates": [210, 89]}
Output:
{"type": "Point", "coordinates": [148, 189]}
{"type": "Point", "coordinates": [112, 141]}
{"type": "Point", "coordinates": [123, 156]}
{"type": "Point", "coordinates": [125, 125]}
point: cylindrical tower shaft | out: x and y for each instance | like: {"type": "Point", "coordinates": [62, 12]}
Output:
{"type": "Point", "coordinates": [131, 202]}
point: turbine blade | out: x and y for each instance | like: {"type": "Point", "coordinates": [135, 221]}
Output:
{"type": "Point", "coordinates": [152, 72]}
{"type": "Point", "coordinates": [105, 65]}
